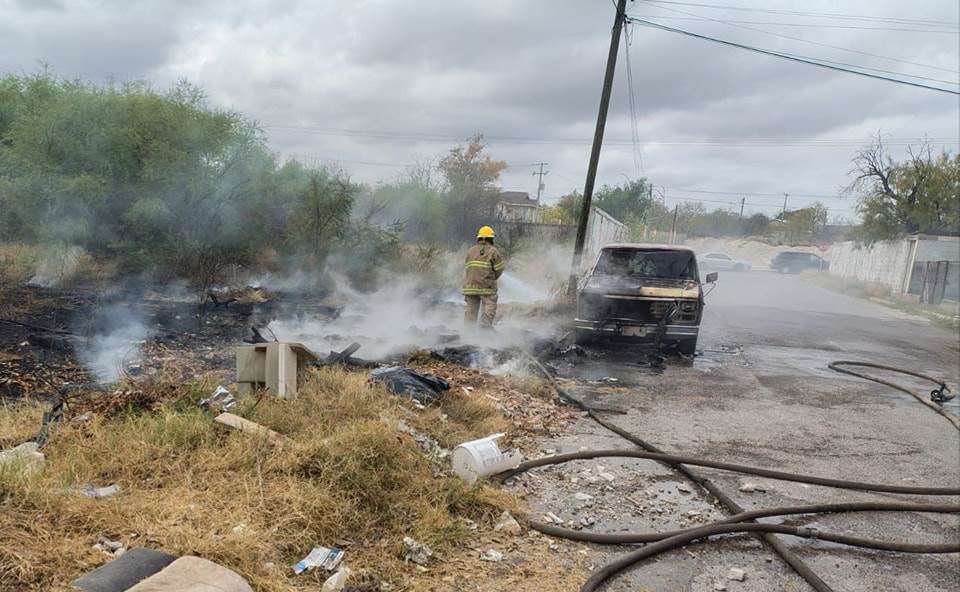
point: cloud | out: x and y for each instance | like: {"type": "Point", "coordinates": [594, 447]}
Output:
{"type": "Point", "coordinates": [422, 74]}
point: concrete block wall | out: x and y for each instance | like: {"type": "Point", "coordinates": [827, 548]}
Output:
{"type": "Point", "coordinates": [885, 263]}
{"type": "Point", "coordinates": [938, 248]}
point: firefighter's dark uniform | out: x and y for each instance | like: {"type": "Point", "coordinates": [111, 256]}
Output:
{"type": "Point", "coordinates": [484, 264]}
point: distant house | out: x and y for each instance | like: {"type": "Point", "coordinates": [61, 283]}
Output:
{"type": "Point", "coordinates": [517, 206]}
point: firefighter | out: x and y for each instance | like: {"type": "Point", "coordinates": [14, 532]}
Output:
{"type": "Point", "coordinates": [484, 264]}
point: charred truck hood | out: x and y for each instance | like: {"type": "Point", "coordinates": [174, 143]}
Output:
{"type": "Point", "coordinates": [639, 293]}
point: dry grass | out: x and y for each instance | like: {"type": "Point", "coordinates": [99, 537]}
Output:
{"type": "Point", "coordinates": [18, 263]}
{"type": "Point", "coordinates": [350, 479]}
{"type": "Point", "coordinates": [19, 421]}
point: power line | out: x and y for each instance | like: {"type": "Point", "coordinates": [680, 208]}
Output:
{"type": "Point", "coordinates": [755, 194]}
{"type": "Point", "coordinates": [758, 141]}
{"type": "Point", "coordinates": [802, 40]}
{"type": "Point", "coordinates": [802, 25]}
{"type": "Point", "coordinates": [801, 13]}
{"type": "Point", "coordinates": [791, 57]}
{"type": "Point", "coordinates": [631, 94]}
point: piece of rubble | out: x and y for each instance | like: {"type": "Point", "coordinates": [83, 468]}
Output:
{"type": "Point", "coordinates": [583, 497]}
{"type": "Point", "coordinates": [88, 490]}
{"type": "Point", "coordinates": [416, 552]}
{"type": "Point", "coordinates": [508, 524]}
{"type": "Point", "coordinates": [245, 425]}
{"type": "Point", "coordinates": [752, 487]}
{"type": "Point", "coordinates": [551, 517]}
{"type": "Point", "coordinates": [193, 573]}
{"type": "Point", "coordinates": [491, 555]}
{"type": "Point", "coordinates": [736, 574]}
{"type": "Point", "coordinates": [719, 586]}
{"type": "Point", "coordinates": [26, 456]}
{"type": "Point", "coordinates": [109, 547]}
{"type": "Point", "coordinates": [683, 488]}
{"type": "Point", "coordinates": [606, 476]}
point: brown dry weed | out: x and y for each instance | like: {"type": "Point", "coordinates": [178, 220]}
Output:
{"type": "Point", "coordinates": [190, 486]}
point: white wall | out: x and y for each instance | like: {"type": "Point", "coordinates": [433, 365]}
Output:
{"type": "Point", "coordinates": [602, 229]}
{"type": "Point", "coordinates": [885, 262]}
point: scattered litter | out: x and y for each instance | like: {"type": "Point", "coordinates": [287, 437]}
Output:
{"type": "Point", "coordinates": [89, 490]}
{"type": "Point", "coordinates": [26, 455]}
{"type": "Point", "coordinates": [245, 425]}
{"type": "Point", "coordinates": [239, 529]}
{"type": "Point", "coordinates": [425, 389]}
{"type": "Point", "coordinates": [736, 574]}
{"type": "Point", "coordinates": [491, 555]}
{"type": "Point", "coordinates": [429, 445]}
{"type": "Point", "coordinates": [221, 400]}
{"type": "Point", "coordinates": [508, 524]}
{"type": "Point", "coordinates": [322, 557]}
{"type": "Point", "coordinates": [481, 458]}
{"type": "Point", "coordinates": [607, 476]}
{"type": "Point", "coordinates": [683, 488]}
{"type": "Point", "coordinates": [337, 581]}
{"type": "Point", "coordinates": [416, 552]}
{"type": "Point", "coordinates": [752, 487]}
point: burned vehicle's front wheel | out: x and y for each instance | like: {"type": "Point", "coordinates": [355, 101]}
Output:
{"type": "Point", "coordinates": [687, 347]}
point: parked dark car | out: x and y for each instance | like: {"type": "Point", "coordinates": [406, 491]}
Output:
{"type": "Point", "coordinates": [648, 293]}
{"type": "Point", "coordinates": [797, 261]}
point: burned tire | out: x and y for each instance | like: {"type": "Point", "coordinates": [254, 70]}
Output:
{"type": "Point", "coordinates": [583, 337]}
{"type": "Point", "coordinates": [687, 347]}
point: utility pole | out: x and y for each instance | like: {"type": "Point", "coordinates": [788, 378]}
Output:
{"type": "Point", "coordinates": [783, 214]}
{"type": "Point", "coordinates": [540, 174]}
{"type": "Point", "coordinates": [743, 200]}
{"type": "Point", "coordinates": [673, 230]}
{"type": "Point", "coordinates": [618, 21]}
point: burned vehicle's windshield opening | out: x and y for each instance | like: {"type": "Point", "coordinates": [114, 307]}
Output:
{"type": "Point", "coordinates": [676, 265]}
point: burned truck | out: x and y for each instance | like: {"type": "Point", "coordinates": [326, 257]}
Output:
{"type": "Point", "coordinates": [643, 293]}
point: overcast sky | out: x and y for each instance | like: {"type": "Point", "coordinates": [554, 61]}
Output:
{"type": "Point", "coordinates": [376, 85]}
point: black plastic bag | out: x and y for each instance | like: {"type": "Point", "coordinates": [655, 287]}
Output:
{"type": "Point", "coordinates": [425, 389]}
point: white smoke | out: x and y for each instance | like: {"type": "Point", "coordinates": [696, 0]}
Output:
{"type": "Point", "coordinates": [115, 335]}
{"type": "Point", "coordinates": [401, 316]}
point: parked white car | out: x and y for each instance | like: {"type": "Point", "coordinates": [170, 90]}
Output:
{"type": "Point", "coordinates": [716, 261]}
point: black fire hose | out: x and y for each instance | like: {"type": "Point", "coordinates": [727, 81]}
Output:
{"type": "Point", "coordinates": [607, 571]}
{"type": "Point", "coordinates": [737, 468]}
{"type": "Point", "coordinates": [630, 538]}
{"type": "Point", "coordinates": [770, 539]}
{"type": "Point", "coordinates": [938, 395]}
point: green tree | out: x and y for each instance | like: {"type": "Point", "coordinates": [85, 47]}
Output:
{"type": "Point", "coordinates": [472, 178]}
{"type": "Point", "coordinates": [321, 213]}
{"type": "Point", "coordinates": [756, 225]}
{"type": "Point", "coordinates": [919, 194]}
{"type": "Point", "coordinates": [628, 203]}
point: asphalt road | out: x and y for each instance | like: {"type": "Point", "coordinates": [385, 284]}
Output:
{"type": "Point", "coordinates": [761, 394]}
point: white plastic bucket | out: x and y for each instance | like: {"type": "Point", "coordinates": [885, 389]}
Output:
{"type": "Point", "coordinates": [481, 458]}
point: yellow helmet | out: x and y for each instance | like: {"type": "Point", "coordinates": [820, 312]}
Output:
{"type": "Point", "coordinates": [485, 232]}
